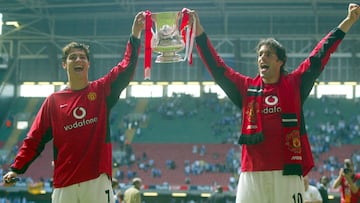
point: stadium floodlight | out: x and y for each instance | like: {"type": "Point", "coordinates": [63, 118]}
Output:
{"type": "Point", "coordinates": [150, 194]}
{"type": "Point", "coordinates": [205, 194]}
{"type": "Point", "coordinates": [13, 23]}
{"type": "Point", "coordinates": [178, 194]}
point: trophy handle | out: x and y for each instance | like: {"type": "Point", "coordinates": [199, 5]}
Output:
{"type": "Point", "coordinates": [186, 32]}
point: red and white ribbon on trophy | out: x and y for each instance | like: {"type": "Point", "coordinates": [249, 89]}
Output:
{"type": "Point", "coordinates": [148, 37]}
{"type": "Point", "coordinates": [188, 36]}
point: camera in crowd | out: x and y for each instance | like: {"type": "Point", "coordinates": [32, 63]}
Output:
{"type": "Point", "coordinates": [347, 170]}
{"type": "Point", "coordinates": [347, 166]}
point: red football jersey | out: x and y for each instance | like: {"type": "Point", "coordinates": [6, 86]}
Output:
{"type": "Point", "coordinates": [78, 123]}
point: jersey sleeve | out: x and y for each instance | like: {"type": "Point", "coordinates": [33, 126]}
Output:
{"type": "Point", "coordinates": [39, 134]}
{"type": "Point", "coordinates": [311, 68]}
{"type": "Point", "coordinates": [227, 78]}
{"type": "Point", "coordinates": [120, 75]}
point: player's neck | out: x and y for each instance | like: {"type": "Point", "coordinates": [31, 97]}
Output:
{"type": "Point", "coordinates": [78, 84]}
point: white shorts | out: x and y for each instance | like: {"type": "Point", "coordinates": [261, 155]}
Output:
{"type": "Point", "coordinates": [269, 187]}
{"type": "Point", "coordinates": [97, 190]}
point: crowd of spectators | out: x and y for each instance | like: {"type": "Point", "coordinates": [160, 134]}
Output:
{"type": "Point", "coordinates": [328, 126]}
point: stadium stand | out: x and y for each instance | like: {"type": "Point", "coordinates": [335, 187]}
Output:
{"type": "Point", "coordinates": [156, 127]}
{"type": "Point", "coordinates": [180, 154]}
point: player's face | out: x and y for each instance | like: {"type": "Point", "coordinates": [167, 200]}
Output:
{"type": "Point", "coordinates": [77, 64]}
{"type": "Point", "coordinates": [268, 64]}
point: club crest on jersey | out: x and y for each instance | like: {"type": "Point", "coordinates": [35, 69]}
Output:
{"type": "Point", "coordinates": [251, 111]}
{"type": "Point", "coordinates": [91, 96]}
{"type": "Point", "coordinates": [293, 141]}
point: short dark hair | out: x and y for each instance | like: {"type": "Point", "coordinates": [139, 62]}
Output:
{"type": "Point", "coordinates": [277, 47]}
{"type": "Point", "coordinates": [74, 45]}
{"type": "Point", "coordinates": [136, 181]}
{"type": "Point", "coordinates": [324, 180]}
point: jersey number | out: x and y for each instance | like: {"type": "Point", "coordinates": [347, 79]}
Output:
{"type": "Point", "coordinates": [108, 195]}
{"type": "Point", "coordinates": [297, 198]}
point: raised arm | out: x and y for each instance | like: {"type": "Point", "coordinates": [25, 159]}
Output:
{"type": "Point", "coordinates": [351, 18]}
{"type": "Point", "coordinates": [138, 24]}
{"type": "Point", "coordinates": [225, 76]}
{"type": "Point", "coordinates": [337, 181]}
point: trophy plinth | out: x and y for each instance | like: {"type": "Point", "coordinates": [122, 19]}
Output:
{"type": "Point", "coordinates": [168, 54]}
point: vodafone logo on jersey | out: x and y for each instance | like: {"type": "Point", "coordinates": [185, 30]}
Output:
{"type": "Point", "coordinates": [271, 105]}
{"type": "Point", "coordinates": [79, 113]}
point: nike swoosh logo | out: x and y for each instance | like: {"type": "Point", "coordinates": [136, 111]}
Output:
{"type": "Point", "coordinates": [63, 105]}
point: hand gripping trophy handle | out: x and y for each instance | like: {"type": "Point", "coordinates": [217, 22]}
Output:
{"type": "Point", "coordinates": [166, 39]}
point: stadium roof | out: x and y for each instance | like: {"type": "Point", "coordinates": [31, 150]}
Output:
{"type": "Point", "coordinates": [60, 18]}
{"type": "Point", "coordinates": [45, 26]}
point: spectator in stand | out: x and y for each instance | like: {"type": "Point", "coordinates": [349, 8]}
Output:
{"type": "Point", "coordinates": [118, 197]}
{"type": "Point", "coordinates": [218, 196]}
{"type": "Point", "coordinates": [133, 194]}
{"type": "Point", "coordinates": [195, 149]}
{"type": "Point", "coordinates": [9, 121]}
{"type": "Point", "coordinates": [323, 189]}
{"type": "Point", "coordinates": [312, 194]}
{"type": "Point", "coordinates": [116, 190]}
{"type": "Point", "coordinates": [202, 150]}
{"type": "Point", "coordinates": [349, 183]}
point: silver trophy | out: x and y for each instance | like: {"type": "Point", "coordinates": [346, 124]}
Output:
{"type": "Point", "coordinates": [166, 39]}
{"type": "Point", "coordinates": [164, 36]}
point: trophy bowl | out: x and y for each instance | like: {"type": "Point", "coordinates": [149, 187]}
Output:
{"type": "Point", "coordinates": [166, 39]}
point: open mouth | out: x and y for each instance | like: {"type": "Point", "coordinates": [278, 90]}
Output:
{"type": "Point", "coordinates": [78, 69]}
{"type": "Point", "coordinates": [264, 67]}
